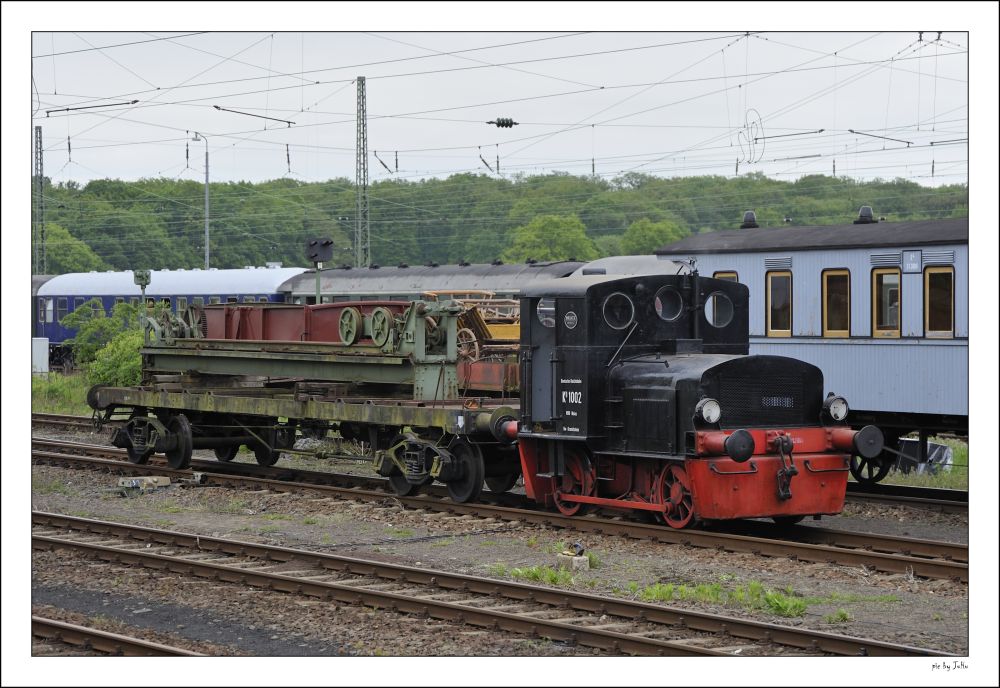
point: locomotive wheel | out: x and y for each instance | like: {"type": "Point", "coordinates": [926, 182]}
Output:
{"type": "Point", "coordinates": [469, 487]}
{"type": "Point", "coordinates": [227, 453]}
{"type": "Point", "coordinates": [502, 483]}
{"type": "Point", "coordinates": [136, 456]}
{"type": "Point", "coordinates": [578, 479]}
{"type": "Point", "coordinates": [869, 471]}
{"type": "Point", "coordinates": [674, 487]}
{"type": "Point", "coordinates": [180, 455]}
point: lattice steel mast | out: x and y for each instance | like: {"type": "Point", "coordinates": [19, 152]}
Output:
{"type": "Point", "coordinates": [362, 231]}
{"type": "Point", "coordinates": [41, 261]}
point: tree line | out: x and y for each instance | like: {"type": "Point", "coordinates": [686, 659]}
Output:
{"type": "Point", "coordinates": [159, 223]}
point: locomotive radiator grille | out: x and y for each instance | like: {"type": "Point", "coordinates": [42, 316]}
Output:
{"type": "Point", "coordinates": [775, 399]}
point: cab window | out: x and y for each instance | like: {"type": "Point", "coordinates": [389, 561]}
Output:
{"type": "Point", "coordinates": [939, 302]}
{"type": "Point", "coordinates": [779, 304]}
{"type": "Point", "coordinates": [836, 303]}
{"type": "Point", "coordinates": [727, 276]}
{"type": "Point", "coordinates": [885, 302]}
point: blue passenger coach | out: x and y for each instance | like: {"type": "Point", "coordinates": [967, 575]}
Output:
{"type": "Point", "coordinates": [882, 308]}
{"type": "Point", "coordinates": [56, 297]}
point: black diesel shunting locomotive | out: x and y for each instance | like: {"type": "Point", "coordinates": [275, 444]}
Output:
{"type": "Point", "coordinates": [638, 393]}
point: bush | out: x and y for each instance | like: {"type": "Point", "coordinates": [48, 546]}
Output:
{"type": "Point", "coordinates": [119, 363]}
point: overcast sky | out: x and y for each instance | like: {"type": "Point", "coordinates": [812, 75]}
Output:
{"type": "Point", "coordinates": [663, 103]}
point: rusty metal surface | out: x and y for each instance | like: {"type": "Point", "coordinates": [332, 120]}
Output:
{"type": "Point", "coordinates": [103, 641]}
{"type": "Point", "coordinates": [636, 612]}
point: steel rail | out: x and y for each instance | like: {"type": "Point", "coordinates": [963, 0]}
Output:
{"type": "Point", "coordinates": [498, 614]}
{"type": "Point", "coordinates": [949, 501]}
{"type": "Point", "coordinates": [882, 553]}
{"type": "Point", "coordinates": [103, 641]}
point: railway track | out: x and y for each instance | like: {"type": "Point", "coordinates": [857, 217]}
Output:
{"type": "Point", "coordinates": [948, 501]}
{"type": "Point", "coordinates": [615, 625]}
{"type": "Point", "coordinates": [892, 554]}
{"type": "Point", "coordinates": [103, 641]}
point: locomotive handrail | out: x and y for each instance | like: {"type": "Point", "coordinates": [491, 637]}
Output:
{"type": "Point", "coordinates": [824, 470]}
{"type": "Point", "coordinates": [715, 469]}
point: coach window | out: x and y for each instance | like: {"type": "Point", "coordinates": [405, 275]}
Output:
{"type": "Point", "coordinates": [779, 304]}
{"type": "Point", "coordinates": [939, 302]}
{"type": "Point", "coordinates": [727, 276]}
{"type": "Point", "coordinates": [214, 299]}
{"type": "Point", "coordinates": [119, 299]}
{"type": "Point", "coordinates": [261, 299]}
{"type": "Point", "coordinates": [134, 300]}
{"type": "Point", "coordinates": [77, 302]}
{"type": "Point", "coordinates": [197, 300]}
{"type": "Point", "coordinates": [885, 302]}
{"type": "Point", "coordinates": [232, 299]}
{"type": "Point", "coordinates": [182, 304]}
{"type": "Point", "coordinates": [836, 303]}
{"type": "Point", "coordinates": [61, 308]}
{"type": "Point", "coordinates": [41, 310]}
{"type": "Point", "coordinates": [247, 299]}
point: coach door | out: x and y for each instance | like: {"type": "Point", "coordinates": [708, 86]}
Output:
{"type": "Point", "coordinates": [539, 359]}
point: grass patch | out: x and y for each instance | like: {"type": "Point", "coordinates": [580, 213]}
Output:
{"type": "Point", "coordinates": [543, 574]}
{"type": "Point", "coordinates": [170, 507]}
{"type": "Point", "coordinates": [66, 394]}
{"type": "Point", "coordinates": [310, 521]}
{"type": "Point", "coordinates": [595, 561]}
{"type": "Point", "coordinates": [532, 541]}
{"type": "Point", "coordinates": [752, 596]}
{"type": "Point", "coordinates": [50, 486]}
{"type": "Point", "coordinates": [269, 529]}
{"type": "Point", "coordinates": [489, 543]}
{"type": "Point", "coordinates": [498, 570]}
{"type": "Point", "coordinates": [234, 506]}
{"type": "Point", "coordinates": [443, 543]}
{"type": "Point", "coordinates": [276, 517]}
{"type": "Point", "coordinates": [840, 616]}
{"type": "Point", "coordinates": [401, 532]}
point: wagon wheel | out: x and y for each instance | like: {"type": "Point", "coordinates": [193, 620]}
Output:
{"type": "Point", "coordinates": [470, 485]}
{"type": "Point", "coordinates": [869, 471]}
{"type": "Point", "coordinates": [266, 456]}
{"type": "Point", "coordinates": [180, 456]}
{"type": "Point", "coordinates": [468, 347]}
{"type": "Point", "coordinates": [382, 322]}
{"type": "Point", "coordinates": [674, 488]}
{"type": "Point", "coordinates": [499, 484]}
{"type": "Point", "coordinates": [227, 454]}
{"type": "Point", "coordinates": [349, 325]}
{"type": "Point", "coordinates": [578, 479]}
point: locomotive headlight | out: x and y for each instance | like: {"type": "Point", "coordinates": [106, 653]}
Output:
{"type": "Point", "coordinates": [836, 407]}
{"type": "Point", "coordinates": [708, 410]}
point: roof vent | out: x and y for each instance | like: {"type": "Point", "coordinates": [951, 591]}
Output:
{"type": "Point", "coordinates": [463, 263]}
{"type": "Point", "coordinates": [403, 265]}
{"type": "Point", "coordinates": [866, 216]}
{"type": "Point", "coordinates": [788, 220]}
{"type": "Point", "coordinates": [271, 264]}
{"type": "Point", "coordinates": [749, 220]}
{"type": "Point", "coordinates": [373, 266]}
{"type": "Point", "coordinates": [248, 267]}
{"type": "Point", "coordinates": [344, 266]}
{"type": "Point", "coordinates": [497, 262]}
{"type": "Point", "coordinates": [594, 271]}
{"type": "Point", "coordinates": [531, 261]}
{"type": "Point", "coordinates": [431, 264]}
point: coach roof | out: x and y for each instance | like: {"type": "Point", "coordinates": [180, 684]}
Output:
{"type": "Point", "coordinates": [170, 282]}
{"type": "Point", "coordinates": [874, 235]}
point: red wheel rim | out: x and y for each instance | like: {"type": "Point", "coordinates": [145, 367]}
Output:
{"type": "Point", "coordinates": [577, 480]}
{"type": "Point", "coordinates": [675, 491]}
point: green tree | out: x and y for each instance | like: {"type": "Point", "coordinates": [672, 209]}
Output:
{"type": "Point", "coordinates": [551, 237]}
{"type": "Point", "coordinates": [119, 363]}
{"type": "Point", "coordinates": [645, 236]}
{"type": "Point", "coordinates": [66, 253]}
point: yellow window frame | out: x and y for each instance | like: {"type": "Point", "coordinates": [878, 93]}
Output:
{"type": "Point", "coordinates": [772, 332]}
{"type": "Point", "coordinates": [876, 332]}
{"type": "Point", "coordinates": [726, 275]}
{"type": "Point", "coordinates": [839, 272]}
{"type": "Point", "coordinates": [938, 334]}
